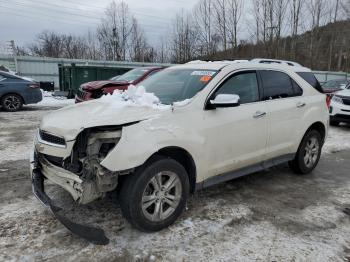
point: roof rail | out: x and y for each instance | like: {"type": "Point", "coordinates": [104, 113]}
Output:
{"type": "Point", "coordinates": [254, 60]}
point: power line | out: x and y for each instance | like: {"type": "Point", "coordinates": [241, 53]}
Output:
{"type": "Point", "coordinates": [95, 19]}
{"type": "Point", "coordinates": [133, 11]}
{"type": "Point", "coordinates": [53, 7]}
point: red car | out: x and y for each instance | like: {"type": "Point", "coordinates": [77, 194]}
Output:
{"type": "Point", "coordinates": [96, 89]}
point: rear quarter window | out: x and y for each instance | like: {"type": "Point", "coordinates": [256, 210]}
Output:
{"type": "Point", "coordinates": [311, 79]}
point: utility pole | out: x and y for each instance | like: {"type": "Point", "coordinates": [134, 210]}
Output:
{"type": "Point", "coordinates": [12, 48]}
{"type": "Point", "coordinates": [115, 43]}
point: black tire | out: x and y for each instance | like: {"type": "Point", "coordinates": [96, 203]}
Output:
{"type": "Point", "coordinates": [334, 123]}
{"type": "Point", "coordinates": [11, 102]}
{"type": "Point", "coordinates": [135, 186]}
{"type": "Point", "coordinates": [301, 166]}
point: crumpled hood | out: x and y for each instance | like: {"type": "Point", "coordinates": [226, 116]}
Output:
{"type": "Point", "coordinates": [345, 92]}
{"type": "Point", "coordinates": [95, 85]}
{"type": "Point", "coordinates": [70, 121]}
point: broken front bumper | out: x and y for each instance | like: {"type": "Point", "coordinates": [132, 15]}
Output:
{"type": "Point", "coordinates": [91, 234]}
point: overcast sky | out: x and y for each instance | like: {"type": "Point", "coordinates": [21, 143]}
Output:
{"type": "Point", "coordinates": [22, 20]}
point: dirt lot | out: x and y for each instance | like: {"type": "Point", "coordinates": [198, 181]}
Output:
{"type": "Point", "coordinates": [268, 216]}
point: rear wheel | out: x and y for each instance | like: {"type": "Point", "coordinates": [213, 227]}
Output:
{"type": "Point", "coordinates": [11, 102]}
{"type": "Point", "coordinates": [308, 154]}
{"type": "Point", "coordinates": [154, 197]}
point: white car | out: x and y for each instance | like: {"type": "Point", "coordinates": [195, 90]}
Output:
{"type": "Point", "coordinates": [187, 128]}
{"type": "Point", "coordinates": [340, 107]}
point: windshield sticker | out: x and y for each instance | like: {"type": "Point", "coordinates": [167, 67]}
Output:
{"type": "Point", "coordinates": [202, 73]}
{"type": "Point", "coordinates": [205, 79]}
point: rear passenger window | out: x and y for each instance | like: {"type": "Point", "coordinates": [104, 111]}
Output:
{"type": "Point", "coordinates": [297, 89]}
{"type": "Point", "coordinates": [276, 85]}
{"type": "Point", "coordinates": [244, 84]}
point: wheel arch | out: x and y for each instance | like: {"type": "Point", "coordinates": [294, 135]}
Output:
{"type": "Point", "coordinates": [319, 127]}
{"type": "Point", "coordinates": [12, 93]}
{"type": "Point", "coordinates": [184, 158]}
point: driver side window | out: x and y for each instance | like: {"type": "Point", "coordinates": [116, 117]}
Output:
{"type": "Point", "coordinates": [244, 84]}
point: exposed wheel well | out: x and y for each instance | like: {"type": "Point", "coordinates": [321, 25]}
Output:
{"type": "Point", "coordinates": [185, 159]}
{"type": "Point", "coordinates": [319, 127]}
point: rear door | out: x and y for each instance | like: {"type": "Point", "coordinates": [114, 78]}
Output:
{"type": "Point", "coordinates": [285, 109]}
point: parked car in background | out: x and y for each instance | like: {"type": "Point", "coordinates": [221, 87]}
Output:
{"type": "Point", "coordinates": [16, 91]}
{"type": "Point", "coordinates": [191, 126]}
{"type": "Point", "coordinates": [96, 89]}
{"type": "Point", "coordinates": [340, 107]}
{"type": "Point", "coordinates": [332, 86]}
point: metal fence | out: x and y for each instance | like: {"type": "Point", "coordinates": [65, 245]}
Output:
{"type": "Point", "coordinates": [324, 76]}
{"type": "Point", "coordinates": [46, 68]}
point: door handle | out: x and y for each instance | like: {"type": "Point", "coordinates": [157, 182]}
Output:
{"type": "Point", "coordinates": [300, 104]}
{"type": "Point", "coordinates": [259, 114]}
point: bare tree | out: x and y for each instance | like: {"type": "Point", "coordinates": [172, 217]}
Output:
{"type": "Point", "coordinates": [204, 22]}
{"type": "Point", "coordinates": [316, 9]}
{"type": "Point", "coordinates": [295, 14]}
{"type": "Point", "coordinates": [184, 38]}
{"type": "Point", "coordinates": [221, 21]}
{"type": "Point", "coordinates": [115, 30]}
{"type": "Point", "coordinates": [234, 12]}
{"type": "Point", "coordinates": [47, 44]}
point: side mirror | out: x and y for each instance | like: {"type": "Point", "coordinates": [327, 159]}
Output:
{"type": "Point", "coordinates": [225, 100]}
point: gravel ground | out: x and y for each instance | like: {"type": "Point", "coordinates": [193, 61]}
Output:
{"type": "Point", "coordinates": [268, 216]}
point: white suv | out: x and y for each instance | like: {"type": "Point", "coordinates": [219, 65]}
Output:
{"type": "Point", "coordinates": [340, 107]}
{"type": "Point", "coordinates": [186, 128]}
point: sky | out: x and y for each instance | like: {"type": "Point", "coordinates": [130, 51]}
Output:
{"type": "Point", "coordinates": [23, 20]}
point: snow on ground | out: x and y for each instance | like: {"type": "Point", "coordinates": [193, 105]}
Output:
{"type": "Point", "coordinates": [338, 139]}
{"type": "Point", "coordinates": [53, 101]}
{"type": "Point", "coordinates": [268, 216]}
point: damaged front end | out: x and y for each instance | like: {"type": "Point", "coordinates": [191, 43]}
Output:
{"type": "Point", "coordinates": [79, 173]}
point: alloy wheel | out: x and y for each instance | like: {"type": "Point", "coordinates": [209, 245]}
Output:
{"type": "Point", "coordinates": [161, 196]}
{"type": "Point", "coordinates": [311, 152]}
{"type": "Point", "coordinates": [12, 102]}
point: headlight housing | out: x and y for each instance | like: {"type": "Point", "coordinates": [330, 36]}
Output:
{"type": "Point", "coordinates": [337, 99]}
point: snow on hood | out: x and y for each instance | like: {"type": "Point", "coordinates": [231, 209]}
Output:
{"type": "Point", "coordinates": [132, 105]}
{"type": "Point", "coordinates": [345, 92]}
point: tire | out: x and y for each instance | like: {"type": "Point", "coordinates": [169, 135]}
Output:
{"type": "Point", "coordinates": [334, 123]}
{"type": "Point", "coordinates": [11, 102]}
{"type": "Point", "coordinates": [308, 154]}
{"type": "Point", "coordinates": [140, 196]}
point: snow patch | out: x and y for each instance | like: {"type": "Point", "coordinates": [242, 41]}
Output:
{"type": "Point", "coordinates": [134, 96]}
{"type": "Point", "coordinates": [337, 140]}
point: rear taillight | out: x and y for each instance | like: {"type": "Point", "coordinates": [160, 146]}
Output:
{"type": "Point", "coordinates": [328, 101]}
{"type": "Point", "coordinates": [33, 85]}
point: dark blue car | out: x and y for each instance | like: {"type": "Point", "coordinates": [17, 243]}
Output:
{"type": "Point", "coordinates": [16, 91]}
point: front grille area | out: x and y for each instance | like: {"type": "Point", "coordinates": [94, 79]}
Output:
{"type": "Point", "coordinates": [81, 94]}
{"type": "Point", "coordinates": [51, 138]}
{"type": "Point", "coordinates": [346, 101]}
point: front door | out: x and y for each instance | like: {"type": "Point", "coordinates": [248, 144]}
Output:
{"type": "Point", "coordinates": [236, 136]}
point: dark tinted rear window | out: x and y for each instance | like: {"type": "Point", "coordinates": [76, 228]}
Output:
{"type": "Point", "coordinates": [276, 85]}
{"type": "Point", "coordinates": [311, 79]}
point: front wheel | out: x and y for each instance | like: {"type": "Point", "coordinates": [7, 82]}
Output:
{"type": "Point", "coordinates": [309, 153]}
{"type": "Point", "coordinates": [154, 197]}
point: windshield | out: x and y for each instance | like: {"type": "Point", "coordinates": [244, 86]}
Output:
{"type": "Point", "coordinates": [133, 75]}
{"type": "Point", "coordinates": [114, 78]}
{"type": "Point", "coordinates": [174, 85]}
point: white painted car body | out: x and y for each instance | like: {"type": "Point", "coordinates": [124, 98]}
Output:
{"type": "Point", "coordinates": [340, 106]}
{"type": "Point", "coordinates": [218, 141]}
